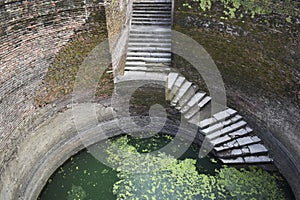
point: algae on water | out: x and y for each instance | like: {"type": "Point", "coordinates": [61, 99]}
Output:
{"type": "Point", "coordinates": [179, 179]}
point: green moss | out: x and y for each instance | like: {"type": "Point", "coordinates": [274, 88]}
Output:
{"type": "Point", "coordinates": [60, 78]}
{"type": "Point", "coordinates": [241, 8]}
{"type": "Point", "coordinates": [258, 64]}
{"type": "Point", "coordinates": [179, 179]}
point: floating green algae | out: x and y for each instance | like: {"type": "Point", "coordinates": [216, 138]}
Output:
{"type": "Point", "coordinates": [84, 177]}
{"type": "Point", "coordinates": [179, 179]}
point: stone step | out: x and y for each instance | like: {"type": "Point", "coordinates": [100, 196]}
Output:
{"type": "Point", "coordinates": [150, 35]}
{"type": "Point", "coordinates": [151, 12]}
{"type": "Point", "coordinates": [149, 30]}
{"type": "Point", "coordinates": [156, 9]}
{"type": "Point", "coordinates": [150, 19]}
{"type": "Point", "coordinates": [186, 98]}
{"type": "Point", "coordinates": [193, 102]}
{"type": "Point", "coordinates": [179, 81]}
{"type": "Point", "coordinates": [225, 138]}
{"type": "Point", "coordinates": [168, 23]}
{"type": "Point", "coordinates": [223, 115]}
{"type": "Point", "coordinates": [162, 4]}
{"type": "Point", "coordinates": [257, 159]}
{"type": "Point", "coordinates": [172, 77]}
{"type": "Point", "coordinates": [144, 64]}
{"type": "Point", "coordinates": [239, 142]}
{"type": "Point", "coordinates": [147, 55]}
{"type": "Point", "coordinates": [152, 1]}
{"type": "Point", "coordinates": [152, 15]}
{"type": "Point", "coordinates": [204, 102]}
{"type": "Point", "coordinates": [141, 76]}
{"type": "Point", "coordinates": [143, 44]}
{"type": "Point", "coordinates": [195, 113]}
{"type": "Point", "coordinates": [149, 59]}
{"type": "Point", "coordinates": [152, 40]}
{"type": "Point", "coordinates": [222, 128]}
{"type": "Point", "coordinates": [181, 92]}
{"type": "Point", "coordinates": [203, 111]}
{"type": "Point", "coordinates": [149, 49]}
{"type": "Point", "coordinates": [247, 160]}
{"type": "Point", "coordinates": [148, 69]}
{"type": "Point", "coordinates": [136, 2]}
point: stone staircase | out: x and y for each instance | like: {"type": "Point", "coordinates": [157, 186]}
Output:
{"type": "Point", "coordinates": [149, 45]}
{"type": "Point", "coordinates": [232, 139]}
{"type": "Point", "coordinates": [149, 58]}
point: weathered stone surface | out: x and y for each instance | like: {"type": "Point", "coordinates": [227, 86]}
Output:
{"type": "Point", "coordinates": [186, 85]}
{"type": "Point", "coordinates": [220, 140]}
{"type": "Point", "coordinates": [171, 80]}
{"type": "Point", "coordinates": [247, 140]}
{"type": "Point", "coordinates": [204, 101]}
{"type": "Point", "coordinates": [257, 159]}
{"type": "Point", "coordinates": [239, 133]}
{"type": "Point", "coordinates": [238, 160]}
{"type": "Point", "coordinates": [221, 115]}
{"type": "Point", "coordinates": [207, 122]}
{"type": "Point", "coordinates": [213, 128]}
{"type": "Point", "coordinates": [257, 148]}
{"type": "Point", "coordinates": [192, 102]}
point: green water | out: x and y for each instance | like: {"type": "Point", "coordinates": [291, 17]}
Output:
{"type": "Point", "coordinates": [84, 177]}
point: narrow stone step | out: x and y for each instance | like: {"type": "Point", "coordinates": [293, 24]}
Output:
{"type": "Point", "coordinates": [140, 44]}
{"type": "Point", "coordinates": [220, 140]}
{"type": "Point", "coordinates": [179, 81]}
{"type": "Point", "coordinates": [151, 35]}
{"type": "Point", "coordinates": [151, 12]}
{"type": "Point", "coordinates": [152, 40]}
{"type": "Point", "coordinates": [196, 112]}
{"type": "Point", "coordinates": [240, 132]}
{"type": "Point", "coordinates": [151, 15]}
{"type": "Point", "coordinates": [172, 77]}
{"type": "Point", "coordinates": [257, 159]}
{"type": "Point", "coordinates": [247, 159]}
{"type": "Point", "coordinates": [148, 69]}
{"type": "Point", "coordinates": [153, 1]}
{"type": "Point", "coordinates": [135, 4]}
{"type": "Point", "coordinates": [149, 49]}
{"type": "Point", "coordinates": [150, 19]}
{"type": "Point", "coordinates": [238, 160]}
{"type": "Point", "coordinates": [195, 109]}
{"type": "Point", "coordinates": [223, 128]}
{"type": "Point", "coordinates": [144, 64]}
{"type": "Point", "coordinates": [193, 101]}
{"type": "Point", "coordinates": [186, 98]}
{"type": "Point", "coordinates": [220, 116]}
{"type": "Point", "coordinates": [148, 54]}
{"type": "Point", "coordinates": [234, 153]}
{"type": "Point", "coordinates": [133, 22]}
{"type": "Point", "coordinates": [183, 89]}
{"type": "Point", "coordinates": [227, 138]}
{"type": "Point", "coordinates": [149, 30]}
{"type": "Point", "coordinates": [234, 144]}
{"type": "Point", "coordinates": [151, 7]}
{"type": "Point", "coordinates": [145, 59]}
{"type": "Point", "coordinates": [141, 76]}
{"type": "Point", "coordinates": [204, 102]}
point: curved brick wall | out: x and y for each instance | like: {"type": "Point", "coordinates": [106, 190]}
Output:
{"type": "Point", "coordinates": [31, 34]}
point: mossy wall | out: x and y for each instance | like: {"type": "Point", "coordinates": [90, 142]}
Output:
{"type": "Point", "coordinates": [258, 58]}
{"type": "Point", "coordinates": [42, 43]}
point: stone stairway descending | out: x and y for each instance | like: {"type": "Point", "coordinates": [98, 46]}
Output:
{"type": "Point", "coordinates": [233, 140]}
{"type": "Point", "coordinates": [149, 45]}
{"type": "Point", "coordinates": [149, 58]}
